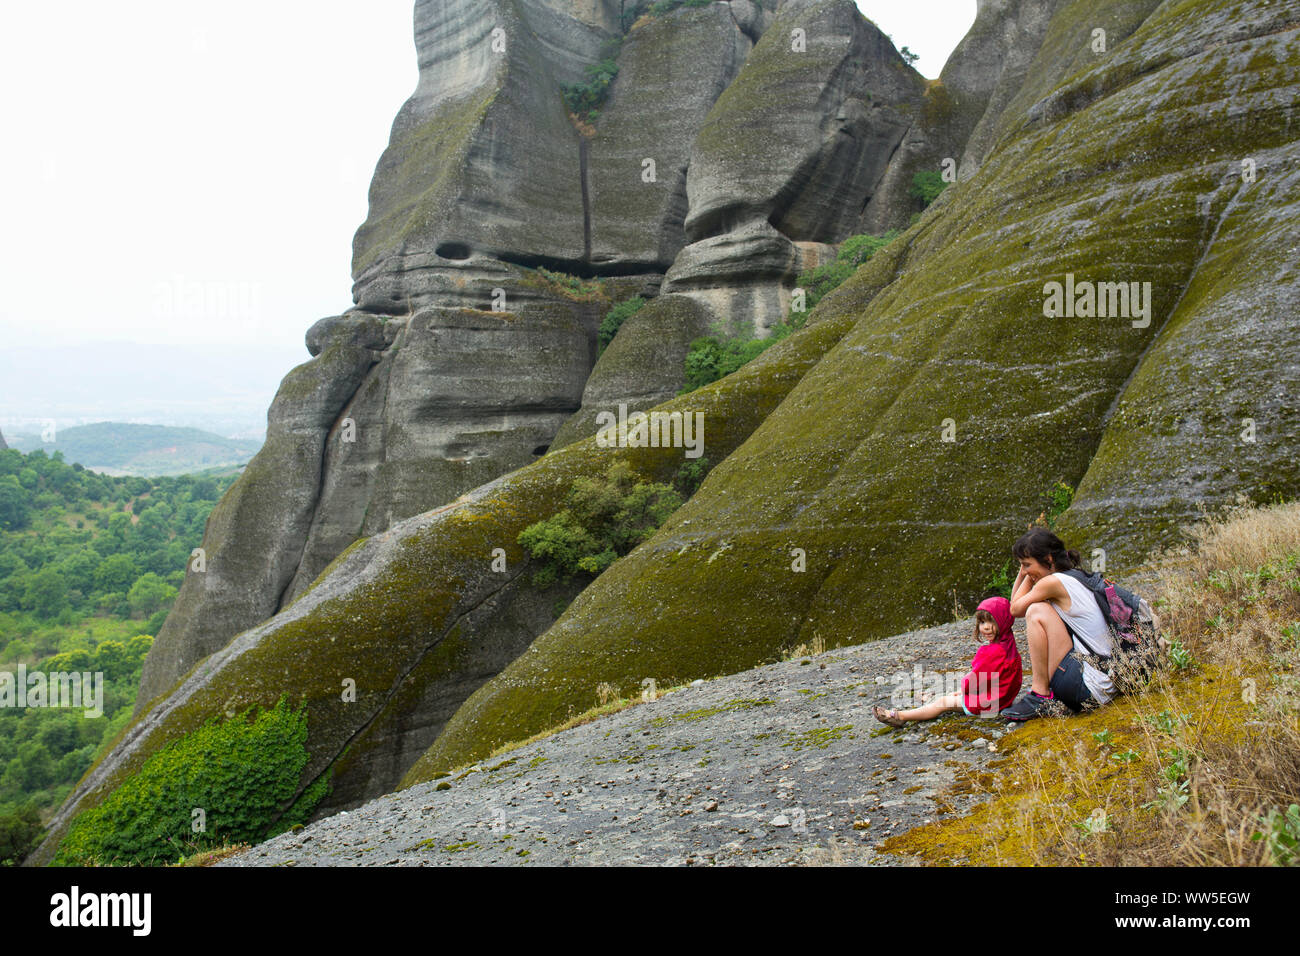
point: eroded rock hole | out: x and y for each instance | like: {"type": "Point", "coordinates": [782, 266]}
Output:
{"type": "Point", "coordinates": [453, 250]}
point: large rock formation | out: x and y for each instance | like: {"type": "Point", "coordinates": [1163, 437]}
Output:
{"type": "Point", "coordinates": [1129, 169]}
{"type": "Point", "coordinates": [952, 130]}
{"type": "Point", "coordinates": [474, 358]}
{"type": "Point", "coordinates": [792, 151]}
{"type": "Point", "coordinates": [3, 445]}
{"type": "Point", "coordinates": [898, 442]}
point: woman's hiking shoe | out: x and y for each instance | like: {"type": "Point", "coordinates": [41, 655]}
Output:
{"type": "Point", "coordinates": [1029, 707]}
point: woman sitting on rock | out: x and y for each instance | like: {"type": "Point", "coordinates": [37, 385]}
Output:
{"type": "Point", "coordinates": [1049, 599]}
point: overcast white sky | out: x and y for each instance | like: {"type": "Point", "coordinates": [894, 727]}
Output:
{"type": "Point", "coordinates": [176, 172]}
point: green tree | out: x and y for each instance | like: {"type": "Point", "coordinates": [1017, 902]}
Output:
{"type": "Point", "coordinates": [927, 185]}
{"type": "Point", "coordinates": [47, 593]}
{"type": "Point", "coordinates": [615, 318]}
{"type": "Point", "coordinates": [15, 505]}
{"type": "Point", "coordinates": [149, 595]}
{"type": "Point", "coordinates": [36, 765]}
{"type": "Point", "coordinates": [111, 658]}
{"type": "Point", "coordinates": [116, 573]}
{"type": "Point", "coordinates": [19, 833]}
{"type": "Point", "coordinates": [204, 489]}
{"type": "Point", "coordinates": [603, 519]}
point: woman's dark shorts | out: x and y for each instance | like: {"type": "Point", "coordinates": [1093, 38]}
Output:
{"type": "Point", "coordinates": [1067, 684]}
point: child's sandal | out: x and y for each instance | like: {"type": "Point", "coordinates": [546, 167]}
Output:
{"type": "Point", "coordinates": [889, 717]}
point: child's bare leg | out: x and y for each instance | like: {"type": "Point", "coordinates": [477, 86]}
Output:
{"type": "Point", "coordinates": [940, 705]}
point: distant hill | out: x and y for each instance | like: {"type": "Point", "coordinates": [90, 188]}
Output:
{"type": "Point", "coordinates": [219, 388]}
{"type": "Point", "coordinates": [119, 449]}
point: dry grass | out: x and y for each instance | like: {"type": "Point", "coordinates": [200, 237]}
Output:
{"type": "Point", "coordinates": [1188, 772]}
{"type": "Point", "coordinates": [606, 692]}
{"type": "Point", "coordinates": [209, 857]}
{"type": "Point", "coordinates": [817, 646]}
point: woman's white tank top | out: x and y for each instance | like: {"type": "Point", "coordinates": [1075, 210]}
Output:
{"type": "Point", "coordinates": [1084, 615]}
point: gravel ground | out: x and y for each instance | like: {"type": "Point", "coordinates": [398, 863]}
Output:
{"type": "Point", "coordinates": [779, 765]}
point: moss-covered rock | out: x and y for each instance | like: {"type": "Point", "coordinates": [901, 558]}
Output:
{"type": "Point", "coordinates": [1122, 173]}
{"type": "Point", "coordinates": [256, 533]}
{"type": "Point", "coordinates": [642, 366]}
{"type": "Point", "coordinates": [419, 616]}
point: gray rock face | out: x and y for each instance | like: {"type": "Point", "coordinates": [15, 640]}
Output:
{"type": "Point", "coordinates": [671, 71]}
{"type": "Point", "coordinates": [744, 276]}
{"type": "Point", "coordinates": [483, 157]}
{"type": "Point", "coordinates": [792, 151]}
{"type": "Point", "coordinates": [764, 158]}
{"type": "Point", "coordinates": [256, 533]}
{"type": "Point", "coordinates": [3, 444]}
{"type": "Point", "coordinates": [643, 366]}
{"type": "Point", "coordinates": [805, 130]}
{"type": "Point", "coordinates": [462, 397]}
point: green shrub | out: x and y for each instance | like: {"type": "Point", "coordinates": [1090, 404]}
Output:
{"type": "Point", "coordinates": [713, 357]}
{"type": "Point", "coordinates": [241, 772]}
{"type": "Point", "coordinates": [710, 359]}
{"type": "Point", "coordinates": [1056, 502]}
{"type": "Point", "coordinates": [615, 318]}
{"type": "Point", "coordinates": [690, 476]}
{"type": "Point", "coordinates": [1280, 832]}
{"type": "Point", "coordinates": [570, 286]}
{"type": "Point", "coordinates": [854, 251]}
{"type": "Point", "coordinates": [927, 185]}
{"type": "Point", "coordinates": [1002, 580]}
{"type": "Point", "coordinates": [586, 99]}
{"type": "Point", "coordinates": [20, 831]}
{"type": "Point", "coordinates": [603, 519]}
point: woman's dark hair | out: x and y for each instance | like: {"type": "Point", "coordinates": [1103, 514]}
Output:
{"type": "Point", "coordinates": [1047, 549]}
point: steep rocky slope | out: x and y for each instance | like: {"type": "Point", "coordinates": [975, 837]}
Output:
{"type": "Point", "coordinates": [1128, 171]}
{"type": "Point", "coordinates": [1119, 165]}
{"type": "Point", "coordinates": [474, 359]}
{"type": "Point", "coordinates": [776, 766]}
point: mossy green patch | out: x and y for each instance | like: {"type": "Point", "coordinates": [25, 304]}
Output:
{"type": "Point", "coordinates": [818, 738]}
{"type": "Point", "coordinates": [231, 781]}
{"type": "Point", "coordinates": [704, 713]}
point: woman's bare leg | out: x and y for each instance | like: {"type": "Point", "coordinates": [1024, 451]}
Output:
{"type": "Point", "coordinates": [1049, 642]}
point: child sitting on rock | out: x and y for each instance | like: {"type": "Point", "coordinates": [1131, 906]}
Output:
{"type": "Point", "coordinates": [995, 673]}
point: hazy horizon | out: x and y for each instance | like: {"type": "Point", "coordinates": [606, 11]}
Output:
{"type": "Point", "coordinates": [206, 196]}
